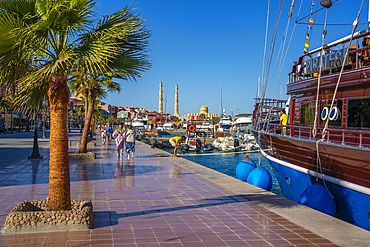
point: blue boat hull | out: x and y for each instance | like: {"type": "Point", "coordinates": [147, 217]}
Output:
{"type": "Point", "coordinates": [343, 169]}
{"type": "Point", "coordinates": [352, 206]}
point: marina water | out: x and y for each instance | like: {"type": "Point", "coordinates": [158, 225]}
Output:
{"type": "Point", "coordinates": [227, 162]}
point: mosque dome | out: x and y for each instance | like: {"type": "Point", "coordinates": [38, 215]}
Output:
{"type": "Point", "coordinates": [204, 109]}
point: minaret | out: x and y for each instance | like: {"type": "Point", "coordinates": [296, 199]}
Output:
{"type": "Point", "coordinates": [176, 114]}
{"type": "Point", "coordinates": [160, 106]}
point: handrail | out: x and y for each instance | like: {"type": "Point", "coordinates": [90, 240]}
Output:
{"type": "Point", "coordinates": [308, 129]}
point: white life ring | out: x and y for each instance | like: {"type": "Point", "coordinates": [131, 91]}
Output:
{"type": "Point", "coordinates": [335, 113]}
{"type": "Point", "coordinates": [324, 113]}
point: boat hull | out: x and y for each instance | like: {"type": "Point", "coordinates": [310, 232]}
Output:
{"type": "Point", "coordinates": [295, 170]}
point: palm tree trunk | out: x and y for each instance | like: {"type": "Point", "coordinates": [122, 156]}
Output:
{"type": "Point", "coordinates": [88, 117]}
{"type": "Point", "coordinates": [86, 96]}
{"type": "Point", "coordinates": [59, 180]}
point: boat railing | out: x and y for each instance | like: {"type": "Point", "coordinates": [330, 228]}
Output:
{"type": "Point", "coordinates": [358, 138]}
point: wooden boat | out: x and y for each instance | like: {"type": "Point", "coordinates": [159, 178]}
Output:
{"type": "Point", "coordinates": [336, 156]}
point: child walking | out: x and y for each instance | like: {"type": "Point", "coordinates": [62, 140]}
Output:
{"type": "Point", "coordinates": [119, 136]}
{"type": "Point", "coordinates": [130, 142]}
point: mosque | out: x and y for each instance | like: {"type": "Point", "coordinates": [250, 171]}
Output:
{"type": "Point", "coordinates": [189, 116]}
{"type": "Point", "coordinates": [204, 111]}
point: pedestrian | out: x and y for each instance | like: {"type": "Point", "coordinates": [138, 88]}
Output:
{"type": "Point", "coordinates": [283, 121]}
{"type": "Point", "coordinates": [176, 142]}
{"type": "Point", "coordinates": [119, 136]}
{"type": "Point", "coordinates": [109, 131]}
{"type": "Point", "coordinates": [103, 134]}
{"type": "Point", "coordinates": [5, 127]}
{"type": "Point", "coordinates": [130, 142]}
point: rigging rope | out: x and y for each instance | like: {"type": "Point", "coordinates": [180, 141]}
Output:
{"type": "Point", "coordinates": [323, 133]}
{"type": "Point", "coordinates": [314, 130]}
{"type": "Point", "coordinates": [314, 12]}
{"type": "Point", "coordinates": [277, 20]}
{"type": "Point", "coordinates": [354, 26]}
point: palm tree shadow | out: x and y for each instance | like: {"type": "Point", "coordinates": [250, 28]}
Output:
{"type": "Point", "coordinates": [110, 218]}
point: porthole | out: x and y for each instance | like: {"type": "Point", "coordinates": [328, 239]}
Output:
{"type": "Point", "coordinates": [324, 113]}
{"type": "Point", "coordinates": [287, 180]}
{"type": "Point", "coordinates": [334, 114]}
{"type": "Point", "coordinates": [368, 215]}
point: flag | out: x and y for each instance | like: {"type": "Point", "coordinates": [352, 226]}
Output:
{"type": "Point", "coordinates": [307, 36]}
{"type": "Point", "coordinates": [304, 50]}
{"type": "Point", "coordinates": [307, 44]}
{"type": "Point", "coordinates": [310, 21]}
{"type": "Point", "coordinates": [309, 27]}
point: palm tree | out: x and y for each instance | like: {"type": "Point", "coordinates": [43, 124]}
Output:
{"type": "Point", "coordinates": [55, 38]}
{"type": "Point", "coordinates": [95, 86]}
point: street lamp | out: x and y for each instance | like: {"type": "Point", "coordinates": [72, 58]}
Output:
{"type": "Point", "coordinates": [35, 151]}
{"type": "Point", "coordinates": [45, 106]}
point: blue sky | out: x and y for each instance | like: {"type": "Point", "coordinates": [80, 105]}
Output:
{"type": "Point", "coordinates": [196, 44]}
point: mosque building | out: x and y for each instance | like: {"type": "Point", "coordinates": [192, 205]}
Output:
{"type": "Point", "coordinates": [203, 110]}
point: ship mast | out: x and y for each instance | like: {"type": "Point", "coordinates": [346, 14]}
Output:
{"type": "Point", "coordinates": [221, 97]}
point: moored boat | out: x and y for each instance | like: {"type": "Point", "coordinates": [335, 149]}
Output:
{"type": "Point", "coordinates": [326, 140]}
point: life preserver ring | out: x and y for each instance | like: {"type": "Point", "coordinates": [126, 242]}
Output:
{"type": "Point", "coordinates": [325, 113]}
{"type": "Point", "coordinates": [335, 113]}
{"type": "Point", "coordinates": [191, 127]}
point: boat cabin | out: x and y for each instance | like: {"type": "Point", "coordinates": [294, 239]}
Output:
{"type": "Point", "coordinates": [349, 120]}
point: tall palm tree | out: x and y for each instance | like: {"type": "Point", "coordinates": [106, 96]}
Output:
{"type": "Point", "coordinates": [56, 37]}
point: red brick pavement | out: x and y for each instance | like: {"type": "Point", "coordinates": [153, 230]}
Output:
{"type": "Point", "coordinates": [148, 201]}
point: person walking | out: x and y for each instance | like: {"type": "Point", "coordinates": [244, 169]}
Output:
{"type": "Point", "coordinates": [109, 131]}
{"type": "Point", "coordinates": [130, 142]}
{"type": "Point", "coordinates": [103, 134]}
{"type": "Point", "coordinates": [119, 136]}
{"type": "Point", "coordinates": [176, 142]}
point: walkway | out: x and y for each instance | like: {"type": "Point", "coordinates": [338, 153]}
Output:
{"type": "Point", "coordinates": [154, 200]}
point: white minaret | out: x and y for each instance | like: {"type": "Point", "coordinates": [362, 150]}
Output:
{"type": "Point", "coordinates": [176, 114]}
{"type": "Point", "coordinates": [160, 106]}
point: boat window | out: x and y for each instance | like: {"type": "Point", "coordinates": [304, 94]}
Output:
{"type": "Point", "coordinates": [307, 114]}
{"type": "Point", "coordinates": [359, 113]}
{"type": "Point", "coordinates": [335, 116]}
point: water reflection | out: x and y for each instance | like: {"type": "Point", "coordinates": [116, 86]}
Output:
{"type": "Point", "coordinates": [118, 175]}
{"type": "Point", "coordinates": [175, 172]}
{"type": "Point", "coordinates": [82, 171]}
{"type": "Point", "coordinates": [35, 168]}
{"type": "Point", "coordinates": [124, 175]}
{"type": "Point", "coordinates": [130, 174]}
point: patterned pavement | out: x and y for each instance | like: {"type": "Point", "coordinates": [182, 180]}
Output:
{"type": "Point", "coordinates": [147, 201]}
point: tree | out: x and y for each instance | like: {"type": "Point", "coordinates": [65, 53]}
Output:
{"type": "Point", "coordinates": [92, 87]}
{"type": "Point", "coordinates": [55, 38]}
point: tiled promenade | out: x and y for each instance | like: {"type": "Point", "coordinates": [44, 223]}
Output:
{"type": "Point", "coordinates": [150, 201]}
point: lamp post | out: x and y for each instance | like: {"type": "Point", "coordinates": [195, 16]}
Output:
{"type": "Point", "coordinates": [35, 151]}
{"type": "Point", "coordinates": [80, 125]}
{"type": "Point", "coordinates": [45, 106]}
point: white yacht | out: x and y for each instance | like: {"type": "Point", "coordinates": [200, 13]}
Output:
{"type": "Point", "coordinates": [241, 122]}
